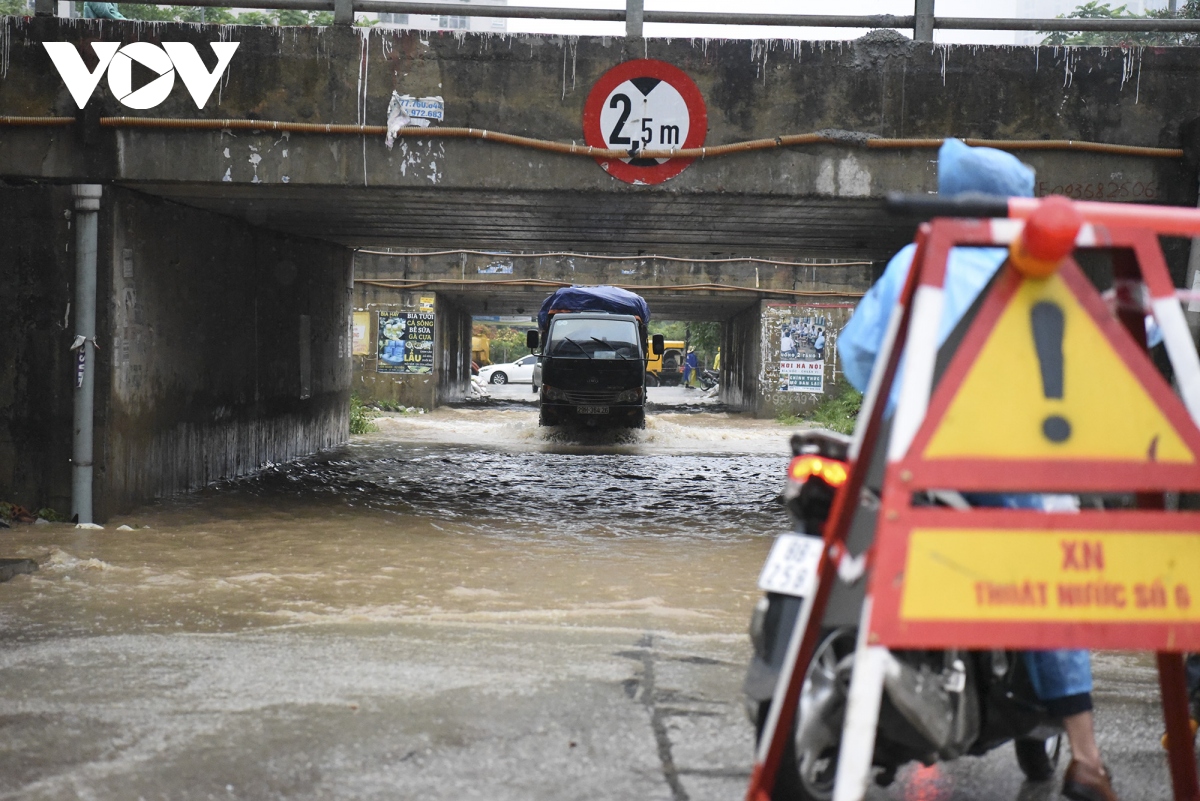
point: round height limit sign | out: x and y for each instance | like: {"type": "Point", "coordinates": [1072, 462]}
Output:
{"type": "Point", "coordinates": [644, 105]}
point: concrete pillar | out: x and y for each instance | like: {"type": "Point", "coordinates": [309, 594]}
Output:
{"type": "Point", "coordinates": [343, 12]}
{"type": "Point", "coordinates": [741, 357]}
{"type": "Point", "coordinates": [87, 206]}
{"type": "Point", "coordinates": [44, 8]}
{"type": "Point", "coordinates": [923, 29]}
{"type": "Point", "coordinates": [452, 353]}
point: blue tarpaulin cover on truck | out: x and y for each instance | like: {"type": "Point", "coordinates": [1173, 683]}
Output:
{"type": "Point", "coordinates": [611, 299]}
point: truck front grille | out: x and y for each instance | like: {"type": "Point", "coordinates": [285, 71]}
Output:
{"type": "Point", "coordinates": [592, 398]}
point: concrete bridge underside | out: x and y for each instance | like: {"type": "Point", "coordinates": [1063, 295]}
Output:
{"type": "Point", "coordinates": [812, 200]}
{"type": "Point", "coordinates": [225, 253]}
{"type": "Point", "coordinates": [749, 297]}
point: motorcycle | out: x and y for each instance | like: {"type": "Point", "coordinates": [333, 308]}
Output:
{"type": "Point", "coordinates": [709, 379]}
{"type": "Point", "coordinates": [937, 705]}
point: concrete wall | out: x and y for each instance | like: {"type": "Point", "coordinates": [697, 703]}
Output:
{"type": "Point", "coordinates": [741, 339]}
{"type": "Point", "coordinates": [537, 85]}
{"type": "Point", "coordinates": [222, 347]}
{"type": "Point", "coordinates": [817, 375]}
{"type": "Point", "coordinates": [425, 379]}
{"type": "Point", "coordinates": [37, 273]}
{"type": "Point", "coordinates": [228, 348]}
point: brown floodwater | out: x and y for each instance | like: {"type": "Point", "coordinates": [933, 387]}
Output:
{"type": "Point", "coordinates": [462, 515]}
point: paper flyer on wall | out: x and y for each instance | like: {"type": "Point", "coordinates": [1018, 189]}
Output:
{"type": "Point", "coordinates": [405, 342]}
{"type": "Point", "coordinates": [802, 355]}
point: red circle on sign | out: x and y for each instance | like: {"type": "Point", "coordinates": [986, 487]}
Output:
{"type": "Point", "coordinates": [643, 72]}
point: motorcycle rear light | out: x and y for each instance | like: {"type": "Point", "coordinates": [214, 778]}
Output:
{"type": "Point", "coordinates": [831, 471]}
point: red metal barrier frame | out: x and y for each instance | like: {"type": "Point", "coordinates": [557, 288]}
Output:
{"type": "Point", "coordinates": [892, 561]}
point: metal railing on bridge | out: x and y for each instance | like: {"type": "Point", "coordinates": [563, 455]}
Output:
{"type": "Point", "coordinates": [922, 22]}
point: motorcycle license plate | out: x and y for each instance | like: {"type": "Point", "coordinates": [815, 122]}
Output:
{"type": "Point", "coordinates": [593, 410]}
{"type": "Point", "coordinates": [791, 568]}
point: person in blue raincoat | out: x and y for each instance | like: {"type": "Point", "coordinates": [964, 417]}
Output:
{"type": "Point", "coordinates": [1062, 679]}
{"type": "Point", "coordinates": [101, 11]}
{"type": "Point", "coordinates": [691, 369]}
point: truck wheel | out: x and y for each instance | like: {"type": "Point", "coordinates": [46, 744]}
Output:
{"type": "Point", "coordinates": [546, 418]}
{"type": "Point", "coordinates": [1038, 758]}
{"type": "Point", "coordinates": [499, 378]}
{"type": "Point", "coordinates": [651, 380]}
{"type": "Point", "coordinates": [810, 776]}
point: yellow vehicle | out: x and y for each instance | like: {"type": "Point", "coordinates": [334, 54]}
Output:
{"type": "Point", "coordinates": [481, 350]}
{"type": "Point", "coordinates": [666, 370]}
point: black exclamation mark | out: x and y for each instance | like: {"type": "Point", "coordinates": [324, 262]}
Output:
{"type": "Point", "coordinates": [1048, 322]}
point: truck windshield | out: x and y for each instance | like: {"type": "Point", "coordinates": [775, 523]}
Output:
{"type": "Point", "coordinates": [593, 339]}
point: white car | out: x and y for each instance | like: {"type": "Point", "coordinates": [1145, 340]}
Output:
{"type": "Point", "coordinates": [518, 372]}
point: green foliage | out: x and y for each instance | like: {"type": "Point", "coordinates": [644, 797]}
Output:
{"type": "Point", "coordinates": [212, 16]}
{"type": "Point", "coordinates": [257, 18]}
{"type": "Point", "coordinates": [360, 416]}
{"type": "Point", "coordinates": [15, 8]}
{"type": "Point", "coordinates": [837, 412]}
{"type": "Point", "coordinates": [289, 16]}
{"type": "Point", "coordinates": [507, 342]}
{"type": "Point", "coordinates": [215, 16]}
{"type": "Point", "coordinates": [1094, 9]}
{"type": "Point", "coordinates": [10, 512]}
{"type": "Point", "coordinates": [147, 12]}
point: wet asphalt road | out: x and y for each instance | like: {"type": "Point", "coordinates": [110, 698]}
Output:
{"type": "Point", "coordinates": [460, 606]}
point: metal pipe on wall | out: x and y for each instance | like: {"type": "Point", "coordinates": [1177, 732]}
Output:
{"type": "Point", "coordinates": [87, 205]}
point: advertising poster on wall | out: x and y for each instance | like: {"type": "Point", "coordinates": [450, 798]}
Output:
{"type": "Point", "coordinates": [802, 354]}
{"type": "Point", "coordinates": [405, 342]}
{"type": "Point", "coordinates": [360, 338]}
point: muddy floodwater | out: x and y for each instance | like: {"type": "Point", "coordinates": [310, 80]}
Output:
{"type": "Point", "coordinates": [457, 515]}
{"type": "Point", "coordinates": [459, 602]}
{"type": "Point", "coordinates": [459, 605]}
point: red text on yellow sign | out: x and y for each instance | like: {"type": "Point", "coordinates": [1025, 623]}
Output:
{"type": "Point", "coordinates": [1051, 575]}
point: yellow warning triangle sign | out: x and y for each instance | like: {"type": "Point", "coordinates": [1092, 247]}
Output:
{"type": "Point", "coordinates": [1046, 381]}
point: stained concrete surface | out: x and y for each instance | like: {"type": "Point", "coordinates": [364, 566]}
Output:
{"type": "Point", "coordinates": [440, 711]}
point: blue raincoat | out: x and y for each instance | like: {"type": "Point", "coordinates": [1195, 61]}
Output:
{"type": "Point", "coordinates": [1055, 674]}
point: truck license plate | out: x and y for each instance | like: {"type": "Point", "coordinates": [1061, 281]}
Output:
{"type": "Point", "coordinates": [791, 568]}
{"type": "Point", "coordinates": [593, 410]}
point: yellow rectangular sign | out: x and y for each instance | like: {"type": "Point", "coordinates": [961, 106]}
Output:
{"type": "Point", "coordinates": [360, 337]}
{"type": "Point", "coordinates": [1051, 575]}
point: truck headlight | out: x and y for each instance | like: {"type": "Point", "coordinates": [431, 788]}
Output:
{"type": "Point", "coordinates": [552, 394]}
{"type": "Point", "coordinates": [630, 396]}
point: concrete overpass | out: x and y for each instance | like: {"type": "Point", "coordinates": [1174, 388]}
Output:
{"type": "Point", "coordinates": [227, 234]}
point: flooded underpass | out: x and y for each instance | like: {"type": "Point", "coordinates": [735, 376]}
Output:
{"type": "Point", "coordinates": [460, 605]}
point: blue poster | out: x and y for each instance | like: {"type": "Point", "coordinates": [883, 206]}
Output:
{"type": "Point", "coordinates": [405, 342]}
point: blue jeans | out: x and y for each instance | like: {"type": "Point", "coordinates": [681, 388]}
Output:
{"type": "Point", "coordinates": [1062, 679]}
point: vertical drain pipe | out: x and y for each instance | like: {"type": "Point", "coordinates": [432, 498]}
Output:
{"type": "Point", "coordinates": [87, 204]}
